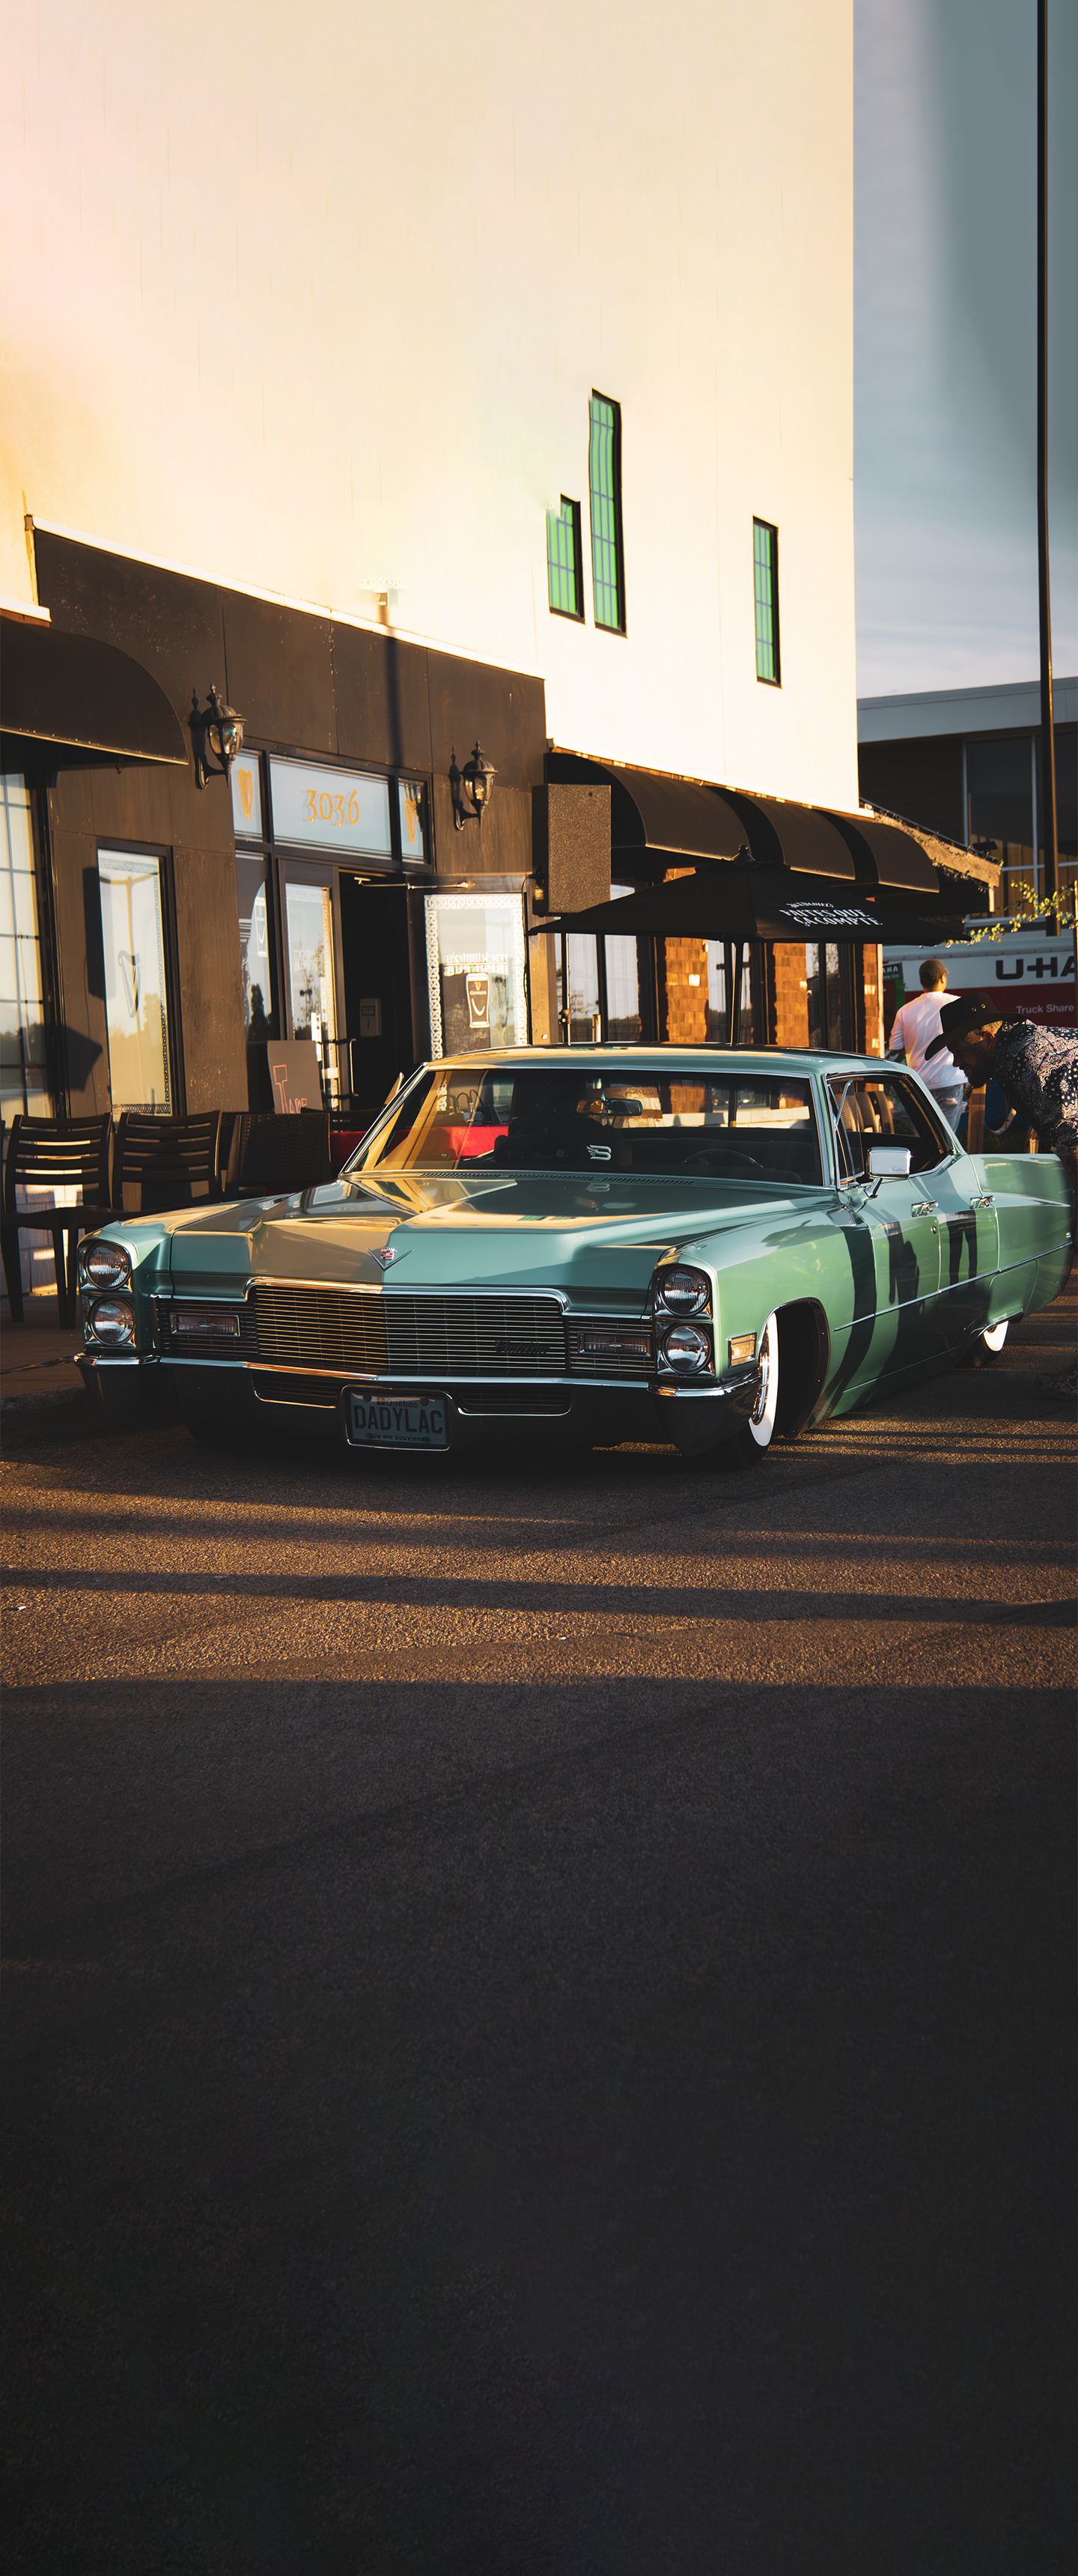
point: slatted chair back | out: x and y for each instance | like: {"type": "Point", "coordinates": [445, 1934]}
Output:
{"type": "Point", "coordinates": [47, 1154]}
{"type": "Point", "coordinates": [271, 1153]}
{"type": "Point", "coordinates": [47, 1158]}
{"type": "Point", "coordinates": [162, 1163]}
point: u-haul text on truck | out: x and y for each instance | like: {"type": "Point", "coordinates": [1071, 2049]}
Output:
{"type": "Point", "coordinates": [1025, 974]}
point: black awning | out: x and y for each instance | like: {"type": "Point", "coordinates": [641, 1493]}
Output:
{"type": "Point", "coordinates": [739, 903]}
{"type": "Point", "coordinates": [800, 837]}
{"type": "Point", "coordinates": [681, 818]}
{"type": "Point", "coordinates": [884, 855]}
{"type": "Point", "coordinates": [72, 691]}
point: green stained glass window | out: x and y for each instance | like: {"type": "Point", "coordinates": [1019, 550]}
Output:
{"type": "Point", "coordinates": [564, 568]}
{"type": "Point", "coordinates": [604, 485]}
{"type": "Point", "coordinates": [765, 576]}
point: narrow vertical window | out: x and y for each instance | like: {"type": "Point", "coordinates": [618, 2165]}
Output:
{"type": "Point", "coordinates": [136, 988]}
{"type": "Point", "coordinates": [564, 561]}
{"type": "Point", "coordinates": [765, 574]}
{"type": "Point", "coordinates": [604, 485]}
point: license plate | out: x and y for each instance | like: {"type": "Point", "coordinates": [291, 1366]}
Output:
{"type": "Point", "coordinates": [397, 1421]}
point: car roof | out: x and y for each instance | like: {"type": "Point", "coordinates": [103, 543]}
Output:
{"type": "Point", "coordinates": [772, 1059]}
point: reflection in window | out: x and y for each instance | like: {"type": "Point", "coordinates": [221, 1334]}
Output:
{"type": "Point", "coordinates": [999, 812]}
{"type": "Point", "coordinates": [475, 972]}
{"type": "Point", "coordinates": [136, 997]}
{"type": "Point", "coordinates": [23, 1057]}
{"type": "Point", "coordinates": [564, 569]}
{"type": "Point", "coordinates": [718, 1007]}
{"type": "Point", "coordinates": [412, 796]}
{"type": "Point", "coordinates": [827, 1009]}
{"type": "Point", "coordinates": [309, 950]}
{"type": "Point", "coordinates": [578, 965]}
{"type": "Point", "coordinates": [622, 989]}
{"type": "Point", "coordinates": [604, 486]}
{"type": "Point", "coordinates": [765, 580]}
{"type": "Point", "coordinates": [246, 781]}
{"type": "Point", "coordinates": [258, 1013]}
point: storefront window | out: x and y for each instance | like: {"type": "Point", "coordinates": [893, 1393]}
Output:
{"type": "Point", "coordinates": [23, 1053]}
{"type": "Point", "coordinates": [308, 912]}
{"type": "Point", "coordinates": [259, 1016]}
{"type": "Point", "coordinates": [718, 1005]}
{"type": "Point", "coordinates": [412, 799]}
{"type": "Point", "coordinates": [330, 809]}
{"type": "Point", "coordinates": [475, 972]}
{"type": "Point", "coordinates": [136, 1002]}
{"type": "Point", "coordinates": [578, 971]}
{"type": "Point", "coordinates": [246, 777]}
{"type": "Point", "coordinates": [622, 991]}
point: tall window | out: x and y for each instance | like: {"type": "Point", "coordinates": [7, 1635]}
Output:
{"type": "Point", "coordinates": [24, 1075]}
{"type": "Point", "coordinates": [604, 486]}
{"type": "Point", "coordinates": [564, 561]}
{"type": "Point", "coordinates": [136, 988]}
{"type": "Point", "coordinates": [765, 577]}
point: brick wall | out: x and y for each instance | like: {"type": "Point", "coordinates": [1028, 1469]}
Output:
{"type": "Point", "coordinates": [791, 995]}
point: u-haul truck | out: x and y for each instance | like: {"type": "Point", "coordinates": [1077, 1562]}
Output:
{"type": "Point", "coordinates": [1025, 974]}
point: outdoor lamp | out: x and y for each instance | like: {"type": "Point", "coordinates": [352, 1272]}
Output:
{"type": "Point", "coordinates": [471, 787]}
{"type": "Point", "coordinates": [215, 728]}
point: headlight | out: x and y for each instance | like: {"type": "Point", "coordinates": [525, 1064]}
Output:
{"type": "Point", "coordinates": [104, 1265]}
{"type": "Point", "coordinates": [112, 1320]}
{"type": "Point", "coordinates": [683, 1292]}
{"type": "Point", "coordinates": [686, 1347]}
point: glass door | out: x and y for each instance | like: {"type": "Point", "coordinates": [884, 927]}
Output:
{"type": "Point", "coordinates": [310, 938]}
{"type": "Point", "coordinates": [136, 981]}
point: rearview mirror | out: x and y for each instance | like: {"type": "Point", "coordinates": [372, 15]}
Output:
{"type": "Point", "coordinates": [889, 1162]}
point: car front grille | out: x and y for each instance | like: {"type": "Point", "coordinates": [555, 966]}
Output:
{"type": "Point", "coordinates": [409, 1336]}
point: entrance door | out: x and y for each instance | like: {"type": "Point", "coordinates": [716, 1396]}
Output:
{"type": "Point", "coordinates": [310, 939]}
{"type": "Point", "coordinates": [378, 990]}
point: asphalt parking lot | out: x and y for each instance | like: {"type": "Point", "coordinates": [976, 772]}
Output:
{"type": "Point", "coordinates": [539, 2001]}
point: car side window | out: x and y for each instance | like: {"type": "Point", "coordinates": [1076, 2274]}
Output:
{"type": "Point", "coordinates": [883, 1110]}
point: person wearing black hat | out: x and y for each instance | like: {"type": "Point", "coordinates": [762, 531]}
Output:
{"type": "Point", "coordinates": [1037, 1071]}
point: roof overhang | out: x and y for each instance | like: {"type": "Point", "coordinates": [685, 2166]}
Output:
{"type": "Point", "coordinates": [79, 695]}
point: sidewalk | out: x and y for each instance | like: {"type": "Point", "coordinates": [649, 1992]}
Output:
{"type": "Point", "coordinates": [37, 1357]}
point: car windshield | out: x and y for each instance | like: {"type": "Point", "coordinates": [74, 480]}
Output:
{"type": "Point", "coordinates": [643, 1119]}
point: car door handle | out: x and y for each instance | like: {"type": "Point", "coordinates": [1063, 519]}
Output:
{"type": "Point", "coordinates": [924, 1207]}
{"type": "Point", "coordinates": [986, 1202]}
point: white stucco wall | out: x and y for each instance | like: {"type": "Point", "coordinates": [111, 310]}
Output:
{"type": "Point", "coordinates": [312, 299]}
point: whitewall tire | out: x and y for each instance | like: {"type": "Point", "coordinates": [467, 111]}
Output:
{"type": "Point", "coordinates": [761, 1423]}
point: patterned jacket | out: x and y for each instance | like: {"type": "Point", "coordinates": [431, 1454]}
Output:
{"type": "Point", "coordinates": [1038, 1071]}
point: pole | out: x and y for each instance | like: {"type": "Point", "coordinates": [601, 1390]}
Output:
{"type": "Point", "coordinates": [1048, 737]}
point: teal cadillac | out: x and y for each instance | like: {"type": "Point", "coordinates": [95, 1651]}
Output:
{"type": "Point", "coordinates": [590, 1245]}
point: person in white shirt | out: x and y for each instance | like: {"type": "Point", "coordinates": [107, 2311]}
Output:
{"type": "Point", "coordinates": [916, 1024]}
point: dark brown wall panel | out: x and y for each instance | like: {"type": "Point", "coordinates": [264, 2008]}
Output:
{"type": "Point", "coordinates": [505, 708]}
{"type": "Point", "coordinates": [383, 709]}
{"type": "Point", "coordinates": [211, 1001]}
{"type": "Point", "coordinates": [921, 779]}
{"type": "Point", "coordinates": [280, 672]}
{"type": "Point", "coordinates": [165, 620]}
{"type": "Point", "coordinates": [132, 805]}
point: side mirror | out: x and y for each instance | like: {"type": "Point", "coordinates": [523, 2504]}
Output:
{"type": "Point", "coordinates": [889, 1162]}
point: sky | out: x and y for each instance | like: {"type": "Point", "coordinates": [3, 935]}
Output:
{"type": "Point", "coordinates": [945, 482]}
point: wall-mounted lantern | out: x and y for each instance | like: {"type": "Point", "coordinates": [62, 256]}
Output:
{"type": "Point", "coordinates": [215, 728]}
{"type": "Point", "coordinates": [471, 787]}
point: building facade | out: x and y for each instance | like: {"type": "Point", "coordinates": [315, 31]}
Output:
{"type": "Point", "coordinates": [454, 380]}
{"type": "Point", "coordinates": [967, 763]}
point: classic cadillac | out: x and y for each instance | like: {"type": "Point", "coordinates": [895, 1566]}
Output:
{"type": "Point", "coordinates": [590, 1245]}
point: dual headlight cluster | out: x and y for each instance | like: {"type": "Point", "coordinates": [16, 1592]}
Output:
{"type": "Point", "coordinates": [683, 1328]}
{"type": "Point", "coordinates": [108, 1320]}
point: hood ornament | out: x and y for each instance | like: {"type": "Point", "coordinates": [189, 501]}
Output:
{"type": "Point", "coordinates": [384, 1256]}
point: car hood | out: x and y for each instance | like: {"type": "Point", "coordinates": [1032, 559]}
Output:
{"type": "Point", "coordinates": [581, 1234]}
